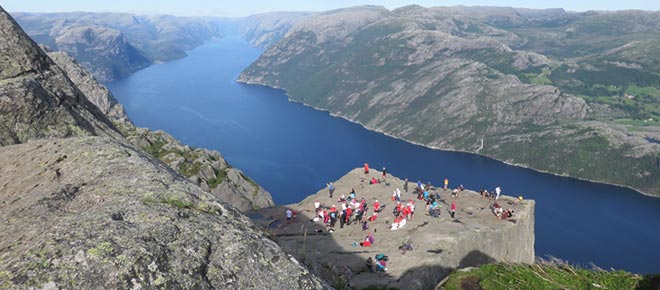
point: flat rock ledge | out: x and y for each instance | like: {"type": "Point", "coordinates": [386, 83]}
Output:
{"type": "Point", "coordinates": [440, 244]}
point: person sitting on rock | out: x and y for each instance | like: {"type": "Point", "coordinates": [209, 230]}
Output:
{"type": "Point", "coordinates": [342, 198]}
{"type": "Point", "coordinates": [406, 246]}
{"type": "Point", "coordinates": [352, 195]}
{"type": "Point", "coordinates": [376, 206]}
{"type": "Point", "coordinates": [373, 217]}
{"type": "Point", "coordinates": [373, 180]}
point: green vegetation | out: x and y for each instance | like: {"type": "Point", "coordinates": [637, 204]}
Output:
{"type": "Point", "coordinates": [219, 177]}
{"type": "Point", "coordinates": [102, 250]}
{"type": "Point", "coordinates": [545, 276]}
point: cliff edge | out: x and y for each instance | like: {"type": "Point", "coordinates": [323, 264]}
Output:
{"type": "Point", "coordinates": [440, 244]}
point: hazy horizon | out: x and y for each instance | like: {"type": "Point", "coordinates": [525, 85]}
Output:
{"type": "Point", "coordinates": [245, 8]}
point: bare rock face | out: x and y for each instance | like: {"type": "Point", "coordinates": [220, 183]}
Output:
{"type": "Point", "coordinates": [92, 213]}
{"type": "Point", "coordinates": [440, 244]}
{"type": "Point", "coordinates": [36, 97]}
{"type": "Point", "coordinates": [203, 167]}
{"type": "Point", "coordinates": [98, 94]}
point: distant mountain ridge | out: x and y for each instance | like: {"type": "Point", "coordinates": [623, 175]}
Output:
{"type": "Point", "coordinates": [114, 45]}
{"type": "Point", "coordinates": [565, 93]}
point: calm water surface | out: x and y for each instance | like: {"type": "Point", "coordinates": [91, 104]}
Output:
{"type": "Point", "coordinates": [293, 150]}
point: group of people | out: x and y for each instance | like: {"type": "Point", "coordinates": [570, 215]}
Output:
{"type": "Point", "coordinates": [352, 210]}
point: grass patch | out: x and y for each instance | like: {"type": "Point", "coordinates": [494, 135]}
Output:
{"type": "Point", "coordinates": [219, 178]}
{"type": "Point", "coordinates": [547, 276]}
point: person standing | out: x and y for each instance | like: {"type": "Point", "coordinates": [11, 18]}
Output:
{"type": "Point", "coordinates": [405, 184]}
{"type": "Point", "coordinates": [366, 168]}
{"type": "Point", "coordinates": [498, 190]}
{"type": "Point", "coordinates": [446, 183]}
{"type": "Point", "coordinates": [331, 188]}
{"type": "Point", "coordinates": [453, 208]}
{"type": "Point", "coordinates": [289, 215]}
{"type": "Point", "coordinates": [384, 173]}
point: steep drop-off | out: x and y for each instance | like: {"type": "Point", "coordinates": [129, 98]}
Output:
{"type": "Point", "coordinates": [206, 168]}
{"type": "Point", "coordinates": [453, 80]}
{"type": "Point", "coordinates": [94, 212]}
{"type": "Point", "coordinates": [440, 244]}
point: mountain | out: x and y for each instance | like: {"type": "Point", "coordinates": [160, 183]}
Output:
{"type": "Point", "coordinates": [265, 29]}
{"type": "Point", "coordinates": [114, 45]}
{"type": "Point", "coordinates": [559, 92]}
{"type": "Point", "coordinates": [82, 208]}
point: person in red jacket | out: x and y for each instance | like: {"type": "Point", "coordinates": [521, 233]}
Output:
{"type": "Point", "coordinates": [376, 206]}
{"type": "Point", "coordinates": [453, 208]}
{"type": "Point", "coordinates": [349, 212]}
{"type": "Point", "coordinates": [366, 168]}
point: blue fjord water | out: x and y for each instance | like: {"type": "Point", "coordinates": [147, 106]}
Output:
{"type": "Point", "coordinates": [293, 150]}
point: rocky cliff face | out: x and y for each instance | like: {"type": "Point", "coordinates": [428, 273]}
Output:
{"type": "Point", "coordinates": [440, 244]}
{"type": "Point", "coordinates": [114, 45]}
{"type": "Point", "coordinates": [453, 80]}
{"type": "Point", "coordinates": [99, 95]}
{"type": "Point", "coordinates": [37, 99]}
{"type": "Point", "coordinates": [206, 168]}
{"type": "Point", "coordinates": [93, 213]}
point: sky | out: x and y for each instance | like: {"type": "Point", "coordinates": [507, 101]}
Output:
{"type": "Point", "coordinates": [238, 8]}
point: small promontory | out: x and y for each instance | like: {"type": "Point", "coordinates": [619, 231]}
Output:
{"type": "Point", "coordinates": [440, 244]}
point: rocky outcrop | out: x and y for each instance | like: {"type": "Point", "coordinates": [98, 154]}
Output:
{"type": "Point", "coordinates": [449, 79]}
{"type": "Point", "coordinates": [203, 167]}
{"type": "Point", "coordinates": [98, 94]}
{"type": "Point", "coordinates": [93, 213]}
{"type": "Point", "coordinates": [440, 244]}
{"type": "Point", "coordinates": [206, 168]}
{"type": "Point", "coordinates": [114, 45]}
{"type": "Point", "coordinates": [37, 99]}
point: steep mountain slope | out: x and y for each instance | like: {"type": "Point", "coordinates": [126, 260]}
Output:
{"type": "Point", "coordinates": [206, 168]}
{"type": "Point", "coordinates": [114, 45]}
{"type": "Point", "coordinates": [449, 81]}
{"type": "Point", "coordinates": [263, 30]}
{"type": "Point", "coordinates": [36, 97]}
{"type": "Point", "coordinates": [93, 212]}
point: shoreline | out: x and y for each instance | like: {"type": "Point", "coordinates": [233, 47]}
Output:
{"type": "Point", "coordinates": [442, 149]}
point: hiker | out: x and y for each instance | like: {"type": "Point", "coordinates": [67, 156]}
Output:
{"type": "Point", "coordinates": [420, 187]}
{"type": "Point", "coordinates": [453, 208]}
{"type": "Point", "coordinates": [365, 226]}
{"type": "Point", "coordinates": [396, 195]}
{"type": "Point", "coordinates": [405, 185]}
{"type": "Point", "coordinates": [366, 168]}
{"type": "Point", "coordinates": [446, 183]}
{"type": "Point", "coordinates": [289, 215]}
{"type": "Point", "coordinates": [411, 205]}
{"type": "Point", "coordinates": [406, 246]}
{"type": "Point", "coordinates": [384, 173]}
{"type": "Point", "coordinates": [352, 195]}
{"type": "Point", "coordinates": [373, 180]}
{"type": "Point", "coordinates": [317, 205]}
{"type": "Point", "coordinates": [349, 212]}
{"type": "Point", "coordinates": [342, 218]}
{"type": "Point", "coordinates": [373, 217]}
{"type": "Point", "coordinates": [428, 185]}
{"type": "Point", "coordinates": [371, 265]}
{"type": "Point", "coordinates": [498, 190]}
{"type": "Point", "coordinates": [497, 210]}
{"type": "Point", "coordinates": [454, 193]}
{"type": "Point", "coordinates": [376, 206]}
{"type": "Point", "coordinates": [461, 188]}
{"type": "Point", "coordinates": [365, 243]}
{"type": "Point", "coordinates": [381, 262]}
{"type": "Point", "coordinates": [370, 238]}
{"type": "Point", "coordinates": [331, 188]}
